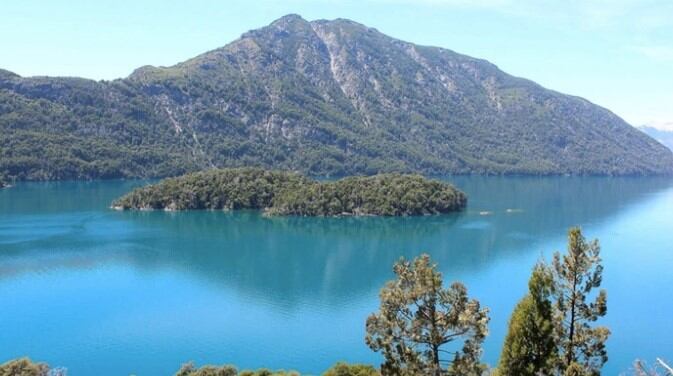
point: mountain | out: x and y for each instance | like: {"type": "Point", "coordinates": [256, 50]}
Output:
{"type": "Point", "coordinates": [665, 137]}
{"type": "Point", "coordinates": [322, 97]}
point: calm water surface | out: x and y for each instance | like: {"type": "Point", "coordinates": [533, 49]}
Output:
{"type": "Point", "coordinates": [113, 293]}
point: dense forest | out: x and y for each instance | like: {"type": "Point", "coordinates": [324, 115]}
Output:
{"type": "Point", "coordinates": [325, 98]}
{"type": "Point", "coordinates": [384, 194]}
{"type": "Point", "coordinates": [288, 193]}
{"type": "Point", "coordinates": [425, 327]}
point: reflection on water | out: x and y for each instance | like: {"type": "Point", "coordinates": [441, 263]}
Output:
{"type": "Point", "coordinates": [293, 257]}
{"type": "Point", "coordinates": [287, 264]}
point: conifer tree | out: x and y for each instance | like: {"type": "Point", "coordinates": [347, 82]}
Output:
{"type": "Point", "coordinates": [530, 347]}
{"type": "Point", "coordinates": [576, 275]}
{"type": "Point", "coordinates": [418, 317]}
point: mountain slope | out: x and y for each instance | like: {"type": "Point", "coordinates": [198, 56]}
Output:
{"type": "Point", "coordinates": [663, 136]}
{"type": "Point", "coordinates": [323, 97]}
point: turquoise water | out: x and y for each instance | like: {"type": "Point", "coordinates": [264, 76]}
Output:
{"type": "Point", "coordinates": [112, 293]}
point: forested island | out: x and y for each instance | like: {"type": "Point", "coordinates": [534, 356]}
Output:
{"type": "Point", "coordinates": [289, 193]}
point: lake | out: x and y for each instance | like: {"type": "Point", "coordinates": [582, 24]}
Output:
{"type": "Point", "coordinates": [113, 293]}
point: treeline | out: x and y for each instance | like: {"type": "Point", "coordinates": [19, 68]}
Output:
{"type": "Point", "coordinates": [288, 193]}
{"type": "Point", "coordinates": [385, 195]}
{"type": "Point", "coordinates": [339, 369]}
{"type": "Point", "coordinates": [231, 189]}
{"type": "Point", "coordinates": [42, 156]}
{"type": "Point", "coordinates": [26, 367]}
{"type": "Point", "coordinates": [425, 328]}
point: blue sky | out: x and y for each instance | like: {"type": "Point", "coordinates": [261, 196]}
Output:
{"type": "Point", "coordinates": [616, 53]}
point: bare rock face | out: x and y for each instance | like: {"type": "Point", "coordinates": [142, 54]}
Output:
{"type": "Point", "coordinates": [323, 97]}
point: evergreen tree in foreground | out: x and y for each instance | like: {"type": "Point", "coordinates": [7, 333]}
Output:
{"type": "Point", "coordinates": [530, 347]}
{"type": "Point", "coordinates": [418, 317]}
{"type": "Point", "coordinates": [550, 331]}
{"type": "Point", "coordinates": [576, 275]}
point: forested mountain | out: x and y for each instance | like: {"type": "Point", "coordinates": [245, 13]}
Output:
{"type": "Point", "coordinates": [322, 97]}
{"type": "Point", "coordinates": [663, 136]}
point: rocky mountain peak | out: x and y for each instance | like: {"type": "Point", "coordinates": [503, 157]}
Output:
{"type": "Point", "coordinates": [323, 97]}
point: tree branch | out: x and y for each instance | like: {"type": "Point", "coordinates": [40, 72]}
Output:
{"type": "Point", "coordinates": [666, 366]}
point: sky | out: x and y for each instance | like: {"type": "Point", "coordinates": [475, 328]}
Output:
{"type": "Point", "coordinates": [615, 53]}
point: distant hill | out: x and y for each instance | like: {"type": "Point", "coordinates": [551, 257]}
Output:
{"type": "Point", "coordinates": [664, 137]}
{"type": "Point", "coordinates": [322, 97]}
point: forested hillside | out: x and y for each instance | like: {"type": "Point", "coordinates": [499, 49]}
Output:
{"type": "Point", "coordinates": [322, 97]}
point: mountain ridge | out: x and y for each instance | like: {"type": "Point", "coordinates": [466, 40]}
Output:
{"type": "Point", "coordinates": [663, 136]}
{"type": "Point", "coordinates": [322, 97]}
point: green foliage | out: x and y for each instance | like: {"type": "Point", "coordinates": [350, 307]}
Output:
{"type": "Point", "coordinates": [267, 372]}
{"type": "Point", "coordinates": [241, 188]}
{"type": "Point", "coordinates": [576, 369]}
{"type": "Point", "coordinates": [189, 369]}
{"type": "Point", "coordinates": [530, 346]}
{"type": "Point", "coordinates": [576, 275]}
{"type": "Point", "coordinates": [344, 369]}
{"type": "Point", "coordinates": [272, 99]}
{"type": "Point", "coordinates": [418, 318]}
{"type": "Point", "coordinates": [286, 193]}
{"type": "Point", "coordinates": [386, 195]}
{"type": "Point", "coordinates": [551, 330]}
{"type": "Point", "coordinates": [23, 367]}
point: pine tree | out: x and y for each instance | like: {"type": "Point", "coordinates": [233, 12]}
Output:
{"type": "Point", "coordinates": [418, 317]}
{"type": "Point", "coordinates": [530, 347]}
{"type": "Point", "coordinates": [576, 275]}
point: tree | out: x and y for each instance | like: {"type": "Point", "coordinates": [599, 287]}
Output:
{"type": "Point", "coordinates": [189, 369]}
{"type": "Point", "coordinates": [576, 369]}
{"type": "Point", "coordinates": [642, 369]}
{"type": "Point", "coordinates": [576, 275]}
{"type": "Point", "coordinates": [530, 347]}
{"type": "Point", "coordinates": [23, 367]}
{"type": "Point", "coordinates": [418, 317]}
{"type": "Point", "coordinates": [343, 369]}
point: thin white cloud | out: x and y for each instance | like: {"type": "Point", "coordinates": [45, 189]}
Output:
{"type": "Point", "coordinates": [657, 53]}
{"type": "Point", "coordinates": [662, 125]}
